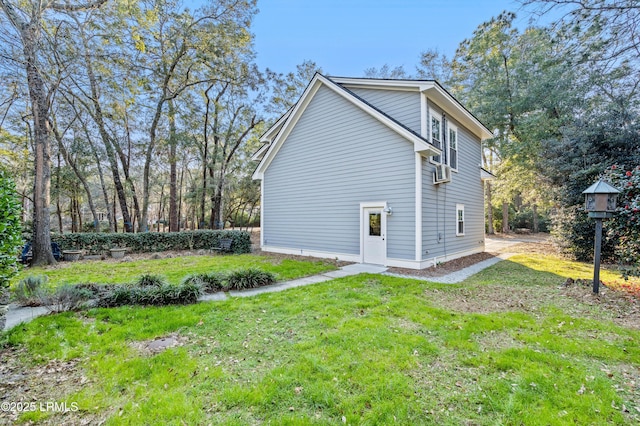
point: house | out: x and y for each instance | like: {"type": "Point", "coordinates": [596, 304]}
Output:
{"type": "Point", "coordinates": [374, 171]}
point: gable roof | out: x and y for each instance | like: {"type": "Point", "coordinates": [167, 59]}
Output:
{"type": "Point", "coordinates": [433, 90]}
{"type": "Point", "coordinates": [277, 134]}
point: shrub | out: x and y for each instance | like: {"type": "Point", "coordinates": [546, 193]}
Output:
{"type": "Point", "coordinates": [624, 227]}
{"type": "Point", "coordinates": [147, 242]}
{"type": "Point", "coordinates": [30, 291]}
{"type": "Point", "coordinates": [10, 238]}
{"type": "Point", "coordinates": [249, 278]}
{"type": "Point", "coordinates": [165, 294]}
{"type": "Point", "coordinates": [210, 282]}
{"type": "Point", "coordinates": [67, 298]}
{"type": "Point", "coordinates": [150, 280]}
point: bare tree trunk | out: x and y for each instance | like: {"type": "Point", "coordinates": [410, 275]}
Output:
{"type": "Point", "coordinates": [536, 225]}
{"type": "Point", "coordinates": [490, 229]}
{"type": "Point", "coordinates": [115, 216]}
{"type": "Point", "coordinates": [80, 176]}
{"type": "Point", "coordinates": [110, 214]}
{"type": "Point", "coordinates": [125, 160]}
{"type": "Point", "coordinates": [505, 217]}
{"type": "Point", "coordinates": [174, 225]}
{"type": "Point", "coordinates": [58, 207]}
{"type": "Point", "coordinates": [180, 225]}
{"type": "Point", "coordinates": [42, 253]}
{"type": "Point", "coordinates": [98, 118]}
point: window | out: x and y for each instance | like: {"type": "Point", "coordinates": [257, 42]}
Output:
{"type": "Point", "coordinates": [436, 133]}
{"type": "Point", "coordinates": [453, 146]}
{"type": "Point", "coordinates": [375, 224]}
{"type": "Point", "coordinates": [460, 219]}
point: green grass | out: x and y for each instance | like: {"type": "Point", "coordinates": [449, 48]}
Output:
{"type": "Point", "coordinates": [174, 269]}
{"type": "Point", "coordinates": [367, 349]}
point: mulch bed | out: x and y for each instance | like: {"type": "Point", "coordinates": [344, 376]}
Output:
{"type": "Point", "coordinates": [444, 268]}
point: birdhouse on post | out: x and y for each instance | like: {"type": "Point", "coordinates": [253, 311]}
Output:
{"type": "Point", "coordinates": [600, 202]}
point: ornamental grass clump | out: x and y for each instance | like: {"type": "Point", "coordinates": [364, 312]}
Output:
{"type": "Point", "coordinates": [30, 291]}
{"type": "Point", "coordinates": [152, 294]}
{"type": "Point", "coordinates": [249, 278]}
{"type": "Point", "coordinates": [211, 282]}
{"type": "Point", "coordinates": [150, 280]}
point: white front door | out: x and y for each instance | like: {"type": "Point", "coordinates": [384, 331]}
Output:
{"type": "Point", "coordinates": [374, 230]}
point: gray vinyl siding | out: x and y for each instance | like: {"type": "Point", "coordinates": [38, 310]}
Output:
{"type": "Point", "coordinates": [336, 157]}
{"type": "Point", "coordinates": [439, 202]}
{"type": "Point", "coordinates": [403, 106]}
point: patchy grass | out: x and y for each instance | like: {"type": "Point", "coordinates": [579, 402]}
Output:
{"type": "Point", "coordinates": [174, 269]}
{"type": "Point", "coordinates": [367, 349]}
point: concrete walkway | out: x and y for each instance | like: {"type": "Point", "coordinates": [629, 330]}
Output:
{"type": "Point", "coordinates": [17, 314]}
{"type": "Point", "coordinates": [460, 275]}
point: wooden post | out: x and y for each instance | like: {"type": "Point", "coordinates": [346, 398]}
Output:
{"type": "Point", "coordinates": [596, 257]}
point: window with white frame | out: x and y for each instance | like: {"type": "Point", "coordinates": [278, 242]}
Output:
{"type": "Point", "coordinates": [436, 132]}
{"type": "Point", "coordinates": [453, 146]}
{"type": "Point", "coordinates": [459, 219]}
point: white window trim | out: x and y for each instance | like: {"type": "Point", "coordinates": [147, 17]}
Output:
{"type": "Point", "coordinates": [433, 113]}
{"type": "Point", "coordinates": [451, 126]}
{"type": "Point", "coordinates": [460, 207]}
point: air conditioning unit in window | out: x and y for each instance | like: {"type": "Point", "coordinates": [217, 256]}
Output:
{"type": "Point", "coordinates": [442, 174]}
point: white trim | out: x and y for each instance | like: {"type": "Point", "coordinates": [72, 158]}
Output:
{"type": "Point", "coordinates": [460, 207]}
{"type": "Point", "coordinates": [433, 113]}
{"type": "Point", "coordinates": [451, 126]}
{"type": "Point", "coordinates": [275, 128]}
{"type": "Point", "coordinates": [455, 109]}
{"type": "Point", "coordinates": [486, 175]}
{"type": "Point", "coordinates": [261, 212]}
{"type": "Point", "coordinates": [418, 206]}
{"type": "Point", "coordinates": [399, 263]}
{"type": "Point", "coordinates": [257, 156]}
{"type": "Point", "coordinates": [383, 225]}
{"type": "Point", "coordinates": [433, 90]}
{"type": "Point", "coordinates": [419, 145]}
{"type": "Point", "coordinates": [314, 253]}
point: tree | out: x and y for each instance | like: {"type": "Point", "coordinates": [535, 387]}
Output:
{"type": "Point", "coordinates": [30, 24]}
{"type": "Point", "coordinates": [610, 26]}
{"type": "Point", "coordinates": [386, 71]}
{"type": "Point", "coordinates": [10, 238]}
{"type": "Point", "coordinates": [520, 85]}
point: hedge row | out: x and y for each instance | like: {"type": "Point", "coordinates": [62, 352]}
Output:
{"type": "Point", "coordinates": [100, 243]}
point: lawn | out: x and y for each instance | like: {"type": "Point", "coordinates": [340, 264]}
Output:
{"type": "Point", "coordinates": [174, 269]}
{"type": "Point", "coordinates": [508, 346]}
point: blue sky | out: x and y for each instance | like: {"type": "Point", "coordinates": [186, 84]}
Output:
{"type": "Point", "coordinates": [345, 37]}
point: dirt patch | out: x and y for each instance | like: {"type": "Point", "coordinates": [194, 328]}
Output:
{"type": "Point", "coordinates": [152, 347]}
{"type": "Point", "coordinates": [489, 299]}
{"type": "Point", "coordinates": [496, 340]}
{"type": "Point", "coordinates": [539, 247]}
{"type": "Point", "coordinates": [42, 388]}
{"type": "Point", "coordinates": [623, 308]}
{"type": "Point", "coordinates": [575, 300]}
{"type": "Point", "coordinates": [444, 268]}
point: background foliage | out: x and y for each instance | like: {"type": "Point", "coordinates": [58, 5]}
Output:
{"type": "Point", "coordinates": [10, 229]}
{"type": "Point", "coordinates": [145, 242]}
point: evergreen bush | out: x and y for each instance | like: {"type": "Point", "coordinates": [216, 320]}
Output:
{"type": "Point", "coordinates": [10, 239]}
{"type": "Point", "coordinates": [147, 242]}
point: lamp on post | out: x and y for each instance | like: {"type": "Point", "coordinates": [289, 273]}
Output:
{"type": "Point", "coordinates": [600, 202]}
